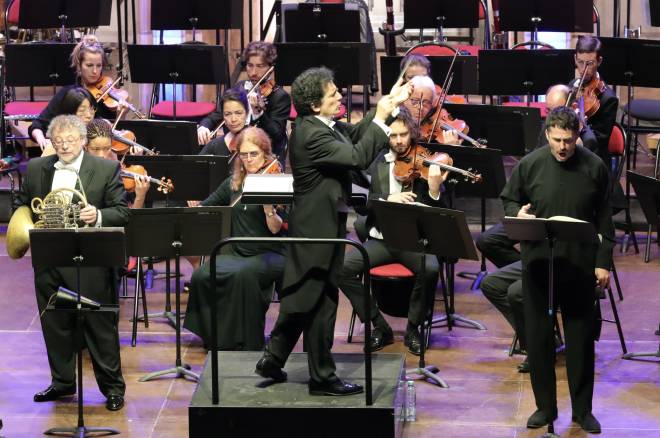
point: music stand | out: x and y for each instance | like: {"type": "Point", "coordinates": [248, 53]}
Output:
{"type": "Point", "coordinates": [307, 22]}
{"type": "Point", "coordinates": [541, 15]}
{"type": "Point", "coordinates": [294, 58]}
{"type": "Point", "coordinates": [654, 9]}
{"type": "Point", "coordinates": [167, 137]}
{"type": "Point", "coordinates": [193, 176]}
{"type": "Point", "coordinates": [465, 72]}
{"type": "Point", "coordinates": [440, 14]}
{"type": "Point", "coordinates": [175, 232]}
{"type": "Point", "coordinates": [268, 189]}
{"type": "Point", "coordinates": [488, 163]}
{"type": "Point", "coordinates": [425, 230]}
{"type": "Point", "coordinates": [177, 64]}
{"type": "Point", "coordinates": [552, 231]}
{"type": "Point", "coordinates": [512, 129]}
{"type": "Point", "coordinates": [45, 14]}
{"type": "Point", "coordinates": [196, 14]}
{"type": "Point", "coordinates": [523, 72]}
{"type": "Point", "coordinates": [82, 247]}
{"type": "Point", "coordinates": [648, 195]}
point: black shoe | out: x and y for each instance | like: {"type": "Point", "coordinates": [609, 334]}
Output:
{"type": "Point", "coordinates": [51, 393]}
{"type": "Point", "coordinates": [539, 419]}
{"type": "Point", "coordinates": [114, 402]}
{"type": "Point", "coordinates": [588, 423]}
{"type": "Point", "coordinates": [412, 341]}
{"type": "Point", "coordinates": [523, 367]}
{"type": "Point", "coordinates": [335, 387]}
{"type": "Point", "coordinates": [268, 369]}
{"type": "Point", "coordinates": [380, 338]}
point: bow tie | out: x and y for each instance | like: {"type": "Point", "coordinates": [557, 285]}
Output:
{"type": "Point", "coordinates": [63, 166]}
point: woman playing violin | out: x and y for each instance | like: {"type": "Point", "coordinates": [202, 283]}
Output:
{"type": "Point", "coordinates": [269, 104]}
{"type": "Point", "coordinates": [245, 276]}
{"type": "Point", "coordinates": [234, 109]}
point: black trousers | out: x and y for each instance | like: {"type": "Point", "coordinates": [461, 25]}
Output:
{"type": "Point", "coordinates": [380, 254]}
{"type": "Point", "coordinates": [318, 329]}
{"type": "Point", "coordinates": [496, 246]}
{"type": "Point", "coordinates": [503, 288]}
{"type": "Point", "coordinates": [100, 331]}
{"type": "Point", "coordinates": [576, 298]}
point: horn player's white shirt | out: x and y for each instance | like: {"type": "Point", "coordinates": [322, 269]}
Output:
{"type": "Point", "coordinates": [66, 177]}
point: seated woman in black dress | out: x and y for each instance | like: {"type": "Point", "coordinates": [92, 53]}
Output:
{"type": "Point", "coordinates": [234, 109]}
{"type": "Point", "coordinates": [245, 277]}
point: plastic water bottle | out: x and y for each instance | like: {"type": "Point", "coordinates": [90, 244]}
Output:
{"type": "Point", "coordinates": [411, 401]}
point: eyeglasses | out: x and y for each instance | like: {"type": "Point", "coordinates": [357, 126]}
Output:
{"type": "Point", "coordinates": [417, 102]}
{"type": "Point", "coordinates": [251, 154]}
{"type": "Point", "coordinates": [68, 141]}
{"type": "Point", "coordinates": [582, 63]}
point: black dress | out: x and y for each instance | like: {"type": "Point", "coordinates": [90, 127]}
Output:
{"type": "Point", "coordinates": [244, 279]}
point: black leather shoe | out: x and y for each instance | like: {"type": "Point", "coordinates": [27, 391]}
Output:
{"type": "Point", "coordinates": [380, 338]}
{"type": "Point", "coordinates": [539, 419]}
{"type": "Point", "coordinates": [114, 402]}
{"type": "Point", "coordinates": [268, 369]}
{"type": "Point", "coordinates": [523, 367]}
{"type": "Point", "coordinates": [51, 393]}
{"type": "Point", "coordinates": [335, 387]}
{"type": "Point", "coordinates": [412, 341]}
{"type": "Point", "coordinates": [588, 423]}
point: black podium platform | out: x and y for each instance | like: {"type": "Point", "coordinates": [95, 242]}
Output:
{"type": "Point", "coordinates": [247, 409]}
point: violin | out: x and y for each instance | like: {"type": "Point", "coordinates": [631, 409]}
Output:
{"type": "Point", "coordinates": [123, 140]}
{"type": "Point", "coordinates": [415, 163]}
{"type": "Point", "coordinates": [271, 167]}
{"type": "Point", "coordinates": [587, 96]}
{"type": "Point", "coordinates": [128, 174]}
{"type": "Point", "coordinates": [104, 91]}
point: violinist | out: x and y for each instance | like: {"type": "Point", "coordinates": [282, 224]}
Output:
{"type": "Point", "coordinates": [244, 277]}
{"type": "Point", "coordinates": [601, 104]}
{"type": "Point", "coordinates": [234, 110]}
{"type": "Point", "coordinates": [269, 104]}
{"type": "Point", "coordinates": [384, 185]}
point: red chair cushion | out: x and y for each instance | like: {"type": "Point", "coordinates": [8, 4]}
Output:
{"type": "Point", "coordinates": [539, 105]}
{"type": "Point", "coordinates": [617, 144]}
{"type": "Point", "coordinates": [471, 50]}
{"type": "Point", "coordinates": [183, 109]}
{"type": "Point", "coordinates": [12, 18]}
{"type": "Point", "coordinates": [22, 107]}
{"type": "Point", "coordinates": [433, 50]}
{"type": "Point", "coordinates": [391, 270]}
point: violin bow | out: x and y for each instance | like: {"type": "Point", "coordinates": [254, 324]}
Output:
{"type": "Point", "coordinates": [441, 99]}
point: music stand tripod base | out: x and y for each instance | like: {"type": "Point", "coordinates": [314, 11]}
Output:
{"type": "Point", "coordinates": [180, 371]}
{"type": "Point", "coordinates": [429, 373]}
{"type": "Point", "coordinates": [82, 431]}
{"type": "Point", "coordinates": [454, 318]}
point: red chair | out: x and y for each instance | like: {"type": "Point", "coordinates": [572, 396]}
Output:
{"type": "Point", "coordinates": [185, 110]}
{"type": "Point", "coordinates": [596, 19]}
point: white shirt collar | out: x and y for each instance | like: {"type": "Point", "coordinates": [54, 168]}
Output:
{"type": "Point", "coordinates": [390, 157]}
{"type": "Point", "coordinates": [326, 121]}
{"type": "Point", "coordinates": [75, 165]}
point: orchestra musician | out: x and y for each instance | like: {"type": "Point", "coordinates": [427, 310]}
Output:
{"type": "Point", "coordinates": [244, 277]}
{"type": "Point", "coordinates": [562, 179]}
{"type": "Point", "coordinates": [269, 104]}
{"type": "Point", "coordinates": [89, 60]}
{"type": "Point", "coordinates": [234, 109]}
{"type": "Point", "coordinates": [323, 153]}
{"type": "Point", "coordinates": [384, 185]}
{"type": "Point", "coordinates": [106, 206]}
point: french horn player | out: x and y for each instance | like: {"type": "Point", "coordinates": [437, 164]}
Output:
{"type": "Point", "coordinates": [66, 177]}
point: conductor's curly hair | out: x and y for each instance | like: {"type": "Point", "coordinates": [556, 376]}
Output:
{"type": "Point", "coordinates": [308, 89]}
{"type": "Point", "coordinates": [562, 118]}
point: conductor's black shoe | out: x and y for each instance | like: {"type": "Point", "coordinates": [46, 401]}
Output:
{"type": "Point", "coordinates": [539, 419]}
{"type": "Point", "coordinates": [334, 387]}
{"type": "Point", "coordinates": [588, 423]}
{"type": "Point", "coordinates": [268, 369]}
{"type": "Point", "coordinates": [380, 338]}
{"type": "Point", "coordinates": [114, 402]}
{"type": "Point", "coordinates": [412, 341]}
{"type": "Point", "coordinates": [51, 393]}
{"type": "Point", "coordinates": [523, 367]}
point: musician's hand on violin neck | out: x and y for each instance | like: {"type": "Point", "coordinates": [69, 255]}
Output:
{"type": "Point", "coordinates": [435, 179]}
{"type": "Point", "coordinates": [524, 212]}
{"type": "Point", "coordinates": [451, 137]}
{"type": "Point", "coordinates": [402, 198]}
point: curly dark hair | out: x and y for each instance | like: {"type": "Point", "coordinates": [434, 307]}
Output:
{"type": "Point", "coordinates": [260, 48]}
{"type": "Point", "coordinates": [562, 118]}
{"type": "Point", "coordinates": [308, 89]}
{"type": "Point", "coordinates": [73, 98]}
{"type": "Point", "coordinates": [410, 122]}
{"type": "Point", "coordinates": [236, 95]}
{"type": "Point", "coordinates": [98, 128]}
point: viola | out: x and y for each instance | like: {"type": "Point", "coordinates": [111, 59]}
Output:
{"type": "Point", "coordinates": [104, 91]}
{"type": "Point", "coordinates": [128, 174]}
{"type": "Point", "coordinates": [415, 163]}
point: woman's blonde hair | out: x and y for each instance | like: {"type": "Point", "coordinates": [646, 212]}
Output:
{"type": "Point", "coordinates": [258, 137]}
{"type": "Point", "coordinates": [87, 44]}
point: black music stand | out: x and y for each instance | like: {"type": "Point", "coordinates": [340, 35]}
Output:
{"type": "Point", "coordinates": [196, 14]}
{"type": "Point", "coordinates": [552, 231]}
{"type": "Point", "coordinates": [307, 22]}
{"type": "Point", "coordinates": [440, 14]}
{"type": "Point", "coordinates": [512, 129]}
{"type": "Point", "coordinates": [294, 58]}
{"type": "Point", "coordinates": [541, 15]}
{"type": "Point", "coordinates": [176, 232]}
{"type": "Point", "coordinates": [177, 64]}
{"type": "Point", "coordinates": [488, 163]}
{"type": "Point", "coordinates": [83, 247]}
{"type": "Point", "coordinates": [654, 9]}
{"type": "Point", "coordinates": [647, 190]}
{"type": "Point", "coordinates": [167, 137]}
{"type": "Point", "coordinates": [464, 70]}
{"type": "Point", "coordinates": [193, 176]}
{"type": "Point", "coordinates": [44, 14]}
{"type": "Point", "coordinates": [426, 230]}
{"type": "Point", "coordinates": [523, 72]}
